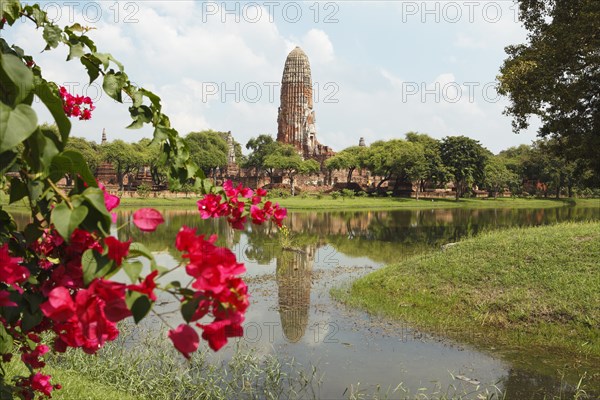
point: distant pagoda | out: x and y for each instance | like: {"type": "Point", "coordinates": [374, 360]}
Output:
{"type": "Point", "coordinates": [296, 117]}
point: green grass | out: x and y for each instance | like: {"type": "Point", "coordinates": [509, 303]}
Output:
{"type": "Point", "coordinates": [144, 365]}
{"type": "Point", "coordinates": [74, 384]}
{"type": "Point", "coordinates": [385, 203]}
{"type": "Point", "coordinates": [521, 292]}
{"type": "Point", "coordinates": [326, 202]}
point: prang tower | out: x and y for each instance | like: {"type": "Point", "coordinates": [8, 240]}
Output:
{"type": "Point", "coordinates": [296, 117]}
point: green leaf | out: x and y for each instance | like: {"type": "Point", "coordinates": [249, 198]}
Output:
{"type": "Point", "coordinates": [10, 9]}
{"type": "Point", "coordinates": [89, 266]}
{"type": "Point", "coordinates": [16, 125]}
{"type": "Point", "coordinates": [188, 309]}
{"type": "Point", "coordinates": [30, 319]}
{"type": "Point", "coordinates": [76, 50]}
{"type": "Point", "coordinates": [113, 84]}
{"type": "Point", "coordinates": [7, 160]}
{"type": "Point", "coordinates": [52, 36]}
{"type": "Point", "coordinates": [92, 65]}
{"type": "Point", "coordinates": [137, 249]}
{"type": "Point", "coordinates": [19, 75]}
{"type": "Point", "coordinates": [32, 233]}
{"type": "Point", "coordinates": [6, 341]}
{"type": "Point", "coordinates": [133, 269]}
{"type": "Point", "coordinates": [18, 190]}
{"type": "Point", "coordinates": [139, 305]}
{"type": "Point", "coordinates": [66, 220]}
{"type": "Point", "coordinates": [95, 197]}
{"type": "Point", "coordinates": [35, 189]}
{"type": "Point", "coordinates": [42, 150]}
{"type": "Point", "coordinates": [80, 167]}
{"type": "Point", "coordinates": [54, 104]}
{"type": "Point", "coordinates": [59, 167]}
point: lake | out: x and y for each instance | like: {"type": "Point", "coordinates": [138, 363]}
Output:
{"type": "Point", "coordinates": [293, 316]}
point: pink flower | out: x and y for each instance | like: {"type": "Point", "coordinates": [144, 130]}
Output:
{"type": "Point", "coordinates": [185, 338]}
{"type": "Point", "coordinates": [110, 200]}
{"type": "Point", "coordinates": [117, 250]}
{"type": "Point", "coordinates": [279, 214]}
{"type": "Point", "coordinates": [59, 306]}
{"type": "Point", "coordinates": [10, 270]}
{"type": "Point", "coordinates": [147, 219]}
{"type": "Point", "coordinates": [147, 286]}
{"type": "Point", "coordinates": [217, 332]}
{"type": "Point", "coordinates": [41, 383]}
{"type": "Point", "coordinates": [88, 320]}
{"type": "Point", "coordinates": [33, 358]}
{"type": "Point", "coordinates": [76, 106]}
{"type": "Point", "coordinates": [257, 215]}
{"type": "Point", "coordinates": [210, 206]}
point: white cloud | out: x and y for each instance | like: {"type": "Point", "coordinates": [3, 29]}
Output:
{"type": "Point", "coordinates": [317, 44]}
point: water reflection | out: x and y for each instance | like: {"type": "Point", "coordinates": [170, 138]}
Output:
{"type": "Point", "coordinates": [294, 269]}
{"type": "Point", "coordinates": [331, 240]}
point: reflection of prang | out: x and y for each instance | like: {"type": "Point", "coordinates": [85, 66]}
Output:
{"type": "Point", "coordinates": [294, 270]}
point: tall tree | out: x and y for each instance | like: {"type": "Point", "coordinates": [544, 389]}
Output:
{"type": "Point", "coordinates": [89, 150]}
{"type": "Point", "coordinates": [498, 177]}
{"type": "Point", "coordinates": [287, 160]}
{"type": "Point", "coordinates": [397, 160]}
{"type": "Point", "coordinates": [349, 158]}
{"type": "Point", "coordinates": [435, 172]}
{"type": "Point", "coordinates": [208, 150]}
{"type": "Point", "coordinates": [556, 75]}
{"type": "Point", "coordinates": [125, 158]}
{"type": "Point", "coordinates": [465, 159]}
{"type": "Point", "coordinates": [260, 147]}
{"type": "Point", "coordinates": [152, 158]}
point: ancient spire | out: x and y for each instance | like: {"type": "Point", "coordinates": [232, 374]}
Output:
{"type": "Point", "coordinates": [103, 136]}
{"type": "Point", "coordinates": [230, 148]}
{"type": "Point", "coordinates": [361, 142]}
{"type": "Point", "coordinates": [296, 118]}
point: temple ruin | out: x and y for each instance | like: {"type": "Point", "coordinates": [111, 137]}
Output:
{"type": "Point", "coordinates": [296, 121]}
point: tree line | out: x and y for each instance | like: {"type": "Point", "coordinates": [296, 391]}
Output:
{"type": "Point", "coordinates": [536, 169]}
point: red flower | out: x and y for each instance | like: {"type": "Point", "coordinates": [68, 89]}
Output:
{"type": "Point", "coordinates": [217, 332]}
{"type": "Point", "coordinates": [41, 383]}
{"type": "Point", "coordinates": [88, 321]}
{"type": "Point", "coordinates": [110, 200]}
{"type": "Point", "coordinates": [185, 338]}
{"type": "Point", "coordinates": [147, 286]}
{"type": "Point", "coordinates": [257, 215]}
{"type": "Point", "coordinates": [59, 306]}
{"type": "Point", "coordinates": [117, 250]}
{"type": "Point", "coordinates": [147, 219]}
{"type": "Point", "coordinates": [10, 270]}
{"type": "Point", "coordinates": [33, 358]}
{"type": "Point", "coordinates": [279, 214]}
{"type": "Point", "coordinates": [76, 106]}
{"type": "Point", "coordinates": [113, 294]}
{"type": "Point", "coordinates": [210, 206]}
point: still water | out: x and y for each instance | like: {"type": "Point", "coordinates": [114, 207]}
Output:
{"type": "Point", "coordinates": [293, 316]}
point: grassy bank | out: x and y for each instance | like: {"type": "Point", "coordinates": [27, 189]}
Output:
{"type": "Point", "coordinates": [521, 291]}
{"type": "Point", "coordinates": [328, 203]}
{"type": "Point", "coordinates": [385, 203]}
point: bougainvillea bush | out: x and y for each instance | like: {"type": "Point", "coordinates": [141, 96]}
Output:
{"type": "Point", "coordinates": [55, 273]}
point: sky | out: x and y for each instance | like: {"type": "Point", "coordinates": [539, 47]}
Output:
{"type": "Point", "coordinates": [379, 68]}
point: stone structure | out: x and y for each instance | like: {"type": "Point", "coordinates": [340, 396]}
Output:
{"type": "Point", "coordinates": [233, 168]}
{"type": "Point", "coordinates": [106, 172]}
{"type": "Point", "coordinates": [294, 271]}
{"type": "Point", "coordinates": [296, 117]}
